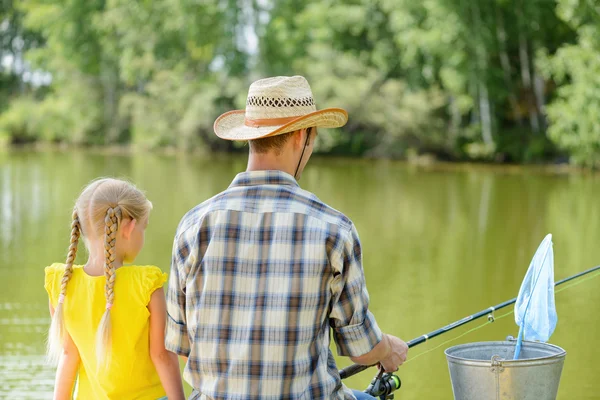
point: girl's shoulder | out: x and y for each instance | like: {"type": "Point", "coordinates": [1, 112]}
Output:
{"type": "Point", "coordinates": [53, 268]}
{"type": "Point", "coordinates": [148, 278]}
{"type": "Point", "coordinates": [59, 269]}
{"type": "Point", "coordinates": [55, 271]}
{"type": "Point", "coordinates": [52, 273]}
{"type": "Point", "coordinates": [142, 272]}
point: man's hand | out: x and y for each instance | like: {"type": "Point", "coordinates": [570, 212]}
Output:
{"type": "Point", "coordinates": [390, 353]}
{"type": "Point", "coordinates": [396, 356]}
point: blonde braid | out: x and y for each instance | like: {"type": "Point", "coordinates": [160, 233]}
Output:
{"type": "Point", "coordinates": [57, 330]}
{"type": "Point", "coordinates": [112, 222]}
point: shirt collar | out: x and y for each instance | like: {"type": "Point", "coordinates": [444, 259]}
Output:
{"type": "Point", "coordinates": [271, 177]}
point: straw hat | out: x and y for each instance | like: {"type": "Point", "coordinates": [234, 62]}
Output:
{"type": "Point", "coordinates": [275, 106]}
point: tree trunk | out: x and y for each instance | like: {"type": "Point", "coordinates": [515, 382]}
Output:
{"type": "Point", "coordinates": [474, 95]}
{"type": "Point", "coordinates": [481, 72]}
{"type": "Point", "coordinates": [110, 81]}
{"type": "Point", "coordinates": [506, 67]}
{"type": "Point", "coordinates": [540, 98]}
{"type": "Point", "coordinates": [486, 119]}
{"type": "Point", "coordinates": [455, 118]}
{"type": "Point", "coordinates": [526, 73]}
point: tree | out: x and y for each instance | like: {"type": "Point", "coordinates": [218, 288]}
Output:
{"type": "Point", "coordinates": [15, 40]}
{"type": "Point", "coordinates": [457, 78]}
{"type": "Point", "coordinates": [576, 69]}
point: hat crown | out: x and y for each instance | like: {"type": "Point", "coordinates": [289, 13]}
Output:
{"type": "Point", "coordinates": [279, 97]}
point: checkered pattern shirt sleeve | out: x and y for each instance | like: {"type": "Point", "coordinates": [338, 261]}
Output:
{"type": "Point", "coordinates": [355, 329]}
{"type": "Point", "coordinates": [176, 338]}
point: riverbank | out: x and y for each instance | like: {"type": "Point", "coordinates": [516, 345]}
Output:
{"type": "Point", "coordinates": [426, 162]}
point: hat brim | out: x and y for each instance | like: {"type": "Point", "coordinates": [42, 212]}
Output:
{"type": "Point", "coordinates": [231, 125]}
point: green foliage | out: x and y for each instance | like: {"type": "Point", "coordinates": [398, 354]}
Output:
{"type": "Point", "coordinates": [347, 53]}
{"type": "Point", "coordinates": [134, 72]}
{"type": "Point", "coordinates": [58, 118]}
{"type": "Point", "coordinates": [17, 125]}
{"type": "Point", "coordinates": [72, 114]}
{"type": "Point", "coordinates": [172, 112]}
{"type": "Point", "coordinates": [575, 113]}
{"type": "Point", "coordinates": [426, 75]}
{"type": "Point", "coordinates": [481, 79]}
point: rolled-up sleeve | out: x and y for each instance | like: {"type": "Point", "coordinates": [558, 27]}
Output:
{"type": "Point", "coordinates": [176, 337]}
{"type": "Point", "coordinates": [355, 330]}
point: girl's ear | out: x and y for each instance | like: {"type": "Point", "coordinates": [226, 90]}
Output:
{"type": "Point", "coordinates": [127, 227]}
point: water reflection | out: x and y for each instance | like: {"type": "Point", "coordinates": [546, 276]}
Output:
{"type": "Point", "coordinates": [438, 244]}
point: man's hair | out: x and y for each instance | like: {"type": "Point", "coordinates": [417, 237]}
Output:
{"type": "Point", "coordinates": [264, 145]}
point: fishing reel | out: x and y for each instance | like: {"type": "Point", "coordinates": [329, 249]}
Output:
{"type": "Point", "coordinates": [384, 385]}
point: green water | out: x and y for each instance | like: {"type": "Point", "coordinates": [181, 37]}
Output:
{"type": "Point", "coordinates": [438, 243]}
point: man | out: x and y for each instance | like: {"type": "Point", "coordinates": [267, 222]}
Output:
{"type": "Point", "coordinates": [262, 271]}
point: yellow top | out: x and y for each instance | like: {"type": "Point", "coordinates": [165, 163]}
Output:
{"type": "Point", "coordinates": [131, 373]}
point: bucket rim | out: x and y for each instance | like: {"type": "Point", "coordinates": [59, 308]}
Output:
{"type": "Point", "coordinates": [560, 354]}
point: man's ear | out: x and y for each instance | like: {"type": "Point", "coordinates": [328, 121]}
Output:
{"type": "Point", "coordinates": [299, 138]}
{"type": "Point", "coordinates": [127, 227]}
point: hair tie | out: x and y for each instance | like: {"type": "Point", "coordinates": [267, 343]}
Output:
{"type": "Point", "coordinates": [61, 299]}
{"type": "Point", "coordinates": [109, 306]}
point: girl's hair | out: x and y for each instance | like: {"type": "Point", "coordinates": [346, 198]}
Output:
{"type": "Point", "coordinates": [98, 212]}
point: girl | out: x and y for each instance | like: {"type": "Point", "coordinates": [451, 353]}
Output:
{"type": "Point", "coordinates": [108, 320]}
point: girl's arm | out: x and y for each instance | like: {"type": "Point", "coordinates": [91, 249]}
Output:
{"type": "Point", "coordinates": [67, 368]}
{"type": "Point", "coordinates": [165, 362]}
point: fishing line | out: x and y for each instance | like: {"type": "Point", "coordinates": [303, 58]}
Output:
{"type": "Point", "coordinates": [458, 337]}
{"type": "Point", "coordinates": [578, 282]}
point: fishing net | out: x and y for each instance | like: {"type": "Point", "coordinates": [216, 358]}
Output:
{"type": "Point", "coordinates": [535, 311]}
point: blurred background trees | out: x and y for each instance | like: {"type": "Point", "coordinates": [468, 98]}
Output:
{"type": "Point", "coordinates": [498, 80]}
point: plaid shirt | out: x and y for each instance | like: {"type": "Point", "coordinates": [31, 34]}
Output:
{"type": "Point", "coordinates": [260, 273]}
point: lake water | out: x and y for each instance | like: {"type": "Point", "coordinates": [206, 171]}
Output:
{"type": "Point", "coordinates": [439, 243]}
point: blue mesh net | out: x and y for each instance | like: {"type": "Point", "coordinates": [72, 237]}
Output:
{"type": "Point", "coordinates": [535, 311]}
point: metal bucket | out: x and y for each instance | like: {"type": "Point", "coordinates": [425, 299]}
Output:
{"type": "Point", "coordinates": [487, 371]}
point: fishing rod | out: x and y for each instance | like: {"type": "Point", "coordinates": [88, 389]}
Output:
{"type": "Point", "coordinates": [356, 368]}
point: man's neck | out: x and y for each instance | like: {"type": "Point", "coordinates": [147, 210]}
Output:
{"type": "Point", "coordinates": [268, 162]}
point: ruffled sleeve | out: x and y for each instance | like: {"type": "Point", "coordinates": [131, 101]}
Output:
{"type": "Point", "coordinates": [153, 279]}
{"type": "Point", "coordinates": [50, 283]}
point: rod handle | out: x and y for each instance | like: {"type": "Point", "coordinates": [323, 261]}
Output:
{"type": "Point", "coordinates": [353, 370]}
